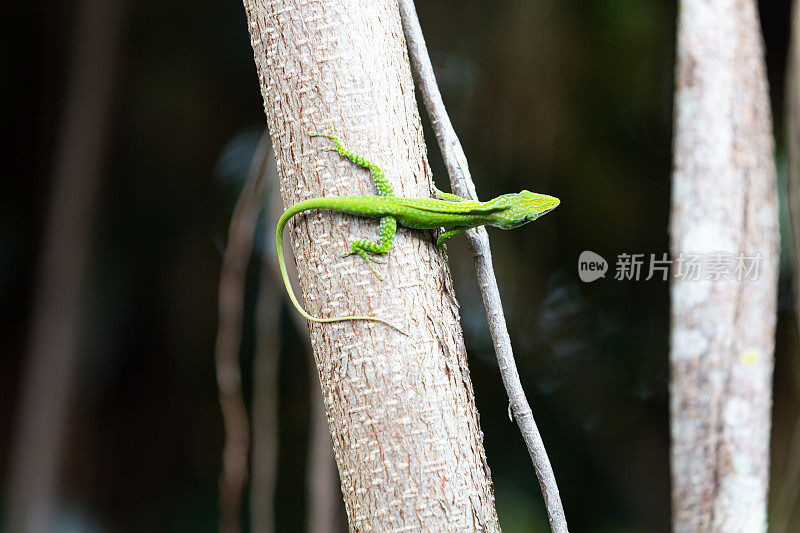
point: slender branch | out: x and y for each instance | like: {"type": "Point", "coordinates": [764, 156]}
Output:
{"type": "Point", "coordinates": [462, 184]}
{"type": "Point", "coordinates": [229, 335]}
{"type": "Point", "coordinates": [265, 402]}
{"type": "Point", "coordinates": [264, 455]}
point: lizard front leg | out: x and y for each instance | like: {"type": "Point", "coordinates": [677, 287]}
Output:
{"type": "Point", "coordinates": [365, 248]}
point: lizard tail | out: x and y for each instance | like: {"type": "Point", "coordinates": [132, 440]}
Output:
{"type": "Point", "coordinates": [292, 211]}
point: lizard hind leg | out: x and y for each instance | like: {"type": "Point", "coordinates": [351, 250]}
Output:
{"type": "Point", "coordinates": [449, 197]}
{"type": "Point", "coordinates": [368, 250]}
{"type": "Point", "coordinates": [358, 247]}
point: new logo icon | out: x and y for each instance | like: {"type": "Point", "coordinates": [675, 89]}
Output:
{"type": "Point", "coordinates": [591, 266]}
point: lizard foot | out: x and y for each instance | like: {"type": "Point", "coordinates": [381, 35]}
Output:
{"type": "Point", "coordinates": [369, 261]}
{"type": "Point", "coordinates": [331, 135]}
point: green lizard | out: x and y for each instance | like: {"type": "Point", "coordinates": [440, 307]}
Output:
{"type": "Point", "coordinates": [452, 212]}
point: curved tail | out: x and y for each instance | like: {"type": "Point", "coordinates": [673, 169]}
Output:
{"type": "Point", "coordinates": [313, 203]}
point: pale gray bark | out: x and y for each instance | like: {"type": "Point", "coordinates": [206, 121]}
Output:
{"type": "Point", "coordinates": [462, 184]}
{"type": "Point", "coordinates": [400, 408]}
{"type": "Point", "coordinates": [722, 340]}
{"type": "Point", "coordinates": [48, 383]}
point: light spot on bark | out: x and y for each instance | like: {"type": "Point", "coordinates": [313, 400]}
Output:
{"type": "Point", "coordinates": [749, 357]}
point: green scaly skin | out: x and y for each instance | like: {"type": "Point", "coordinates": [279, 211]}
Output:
{"type": "Point", "coordinates": [449, 211]}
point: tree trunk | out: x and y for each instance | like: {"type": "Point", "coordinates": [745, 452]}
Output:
{"type": "Point", "coordinates": [400, 409]}
{"type": "Point", "coordinates": [724, 207]}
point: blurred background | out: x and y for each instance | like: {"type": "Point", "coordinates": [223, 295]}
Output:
{"type": "Point", "coordinates": [570, 98]}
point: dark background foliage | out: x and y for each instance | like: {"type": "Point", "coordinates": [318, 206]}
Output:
{"type": "Point", "coordinates": [569, 98]}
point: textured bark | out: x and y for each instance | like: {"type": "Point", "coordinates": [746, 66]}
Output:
{"type": "Point", "coordinates": [724, 201]}
{"type": "Point", "coordinates": [401, 409]}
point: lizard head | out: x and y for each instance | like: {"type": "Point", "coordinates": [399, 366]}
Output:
{"type": "Point", "coordinates": [527, 206]}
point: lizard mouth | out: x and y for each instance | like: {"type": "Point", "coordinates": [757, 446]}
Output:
{"type": "Point", "coordinates": [555, 202]}
{"type": "Point", "coordinates": [540, 213]}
